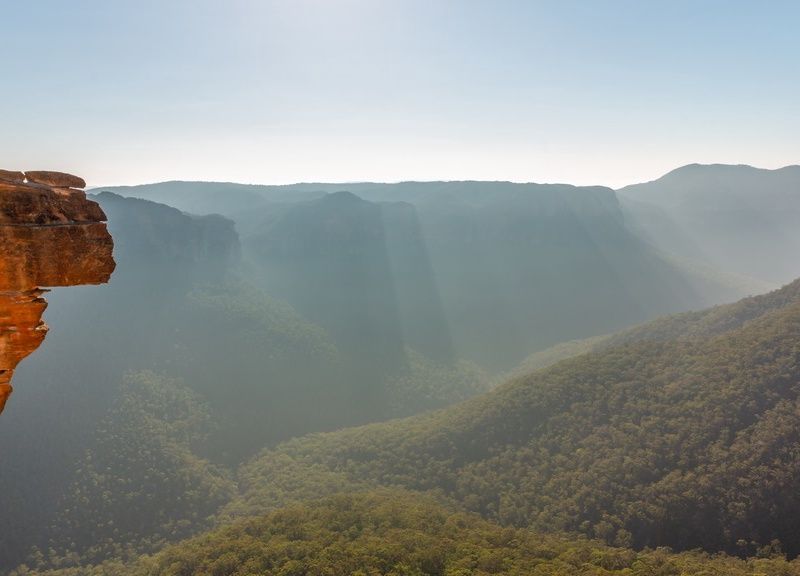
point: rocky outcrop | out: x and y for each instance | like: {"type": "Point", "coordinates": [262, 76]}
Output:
{"type": "Point", "coordinates": [52, 256]}
{"type": "Point", "coordinates": [51, 235]}
{"type": "Point", "coordinates": [56, 179]}
{"type": "Point", "coordinates": [21, 332]}
{"type": "Point", "coordinates": [24, 203]}
{"type": "Point", "coordinates": [12, 176]}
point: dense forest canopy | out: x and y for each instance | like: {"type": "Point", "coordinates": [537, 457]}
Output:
{"type": "Point", "coordinates": [684, 436]}
{"type": "Point", "coordinates": [400, 534]}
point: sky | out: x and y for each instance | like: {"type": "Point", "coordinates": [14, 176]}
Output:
{"type": "Point", "coordinates": [606, 92]}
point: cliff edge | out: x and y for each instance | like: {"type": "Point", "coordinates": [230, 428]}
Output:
{"type": "Point", "coordinates": [51, 235]}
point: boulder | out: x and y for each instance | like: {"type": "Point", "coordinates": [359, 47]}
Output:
{"type": "Point", "coordinates": [36, 204]}
{"type": "Point", "coordinates": [66, 255]}
{"type": "Point", "coordinates": [56, 179]}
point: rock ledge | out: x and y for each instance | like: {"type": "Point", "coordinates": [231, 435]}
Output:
{"type": "Point", "coordinates": [51, 234]}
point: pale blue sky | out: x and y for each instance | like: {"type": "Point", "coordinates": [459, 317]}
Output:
{"type": "Point", "coordinates": [594, 91]}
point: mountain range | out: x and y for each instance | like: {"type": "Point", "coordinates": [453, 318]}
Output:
{"type": "Point", "coordinates": [477, 376]}
{"type": "Point", "coordinates": [525, 266]}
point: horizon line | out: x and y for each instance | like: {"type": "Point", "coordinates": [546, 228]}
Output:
{"type": "Point", "coordinates": [430, 181]}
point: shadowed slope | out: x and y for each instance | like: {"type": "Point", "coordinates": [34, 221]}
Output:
{"type": "Point", "coordinates": [686, 438]}
{"type": "Point", "coordinates": [741, 219]}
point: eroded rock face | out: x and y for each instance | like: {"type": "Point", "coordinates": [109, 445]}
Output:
{"type": "Point", "coordinates": [23, 203]}
{"type": "Point", "coordinates": [12, 176]}
{"type": "Point", "coordinates": [62, 255]}
{"type": "Point", "coordinates": [22, 331]}
{"type": "Point", "coordinates": [49, 237]}
{"type": "Point", "coordinates": [57, 179]}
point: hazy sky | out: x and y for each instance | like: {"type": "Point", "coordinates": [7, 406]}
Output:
{"type": "Point", "coordinates": [588, 92]}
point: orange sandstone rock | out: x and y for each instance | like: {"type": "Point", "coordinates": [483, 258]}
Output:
{"type": "Point", "coordinates": [5, 392]}
{"type": "Point", "coordinates": [48, 237]}
{"type": "Point", "coordinates": [11, 176]}
{"type": "Point", "coordinates": [21, 332]}
{"type": "Point", "coordinates": [41, 205]}
{"type": "Point", "coordinates": [52, 256]}
{"type": "Point", "coordinates": [57, 179]}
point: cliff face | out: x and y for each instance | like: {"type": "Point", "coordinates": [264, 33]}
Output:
{"type": "Point", "coordinates": [51, 235]}
{"type": "Point", "coordinates": [21, 332]}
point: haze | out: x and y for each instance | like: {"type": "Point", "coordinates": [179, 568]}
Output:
{"type": "Point", "coordinates": [601, 92]}
{"type": "Point", "coordinates": [399, 288]}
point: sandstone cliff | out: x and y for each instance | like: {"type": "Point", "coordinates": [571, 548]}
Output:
{"type": "Point", "coordinates": [51, 235]}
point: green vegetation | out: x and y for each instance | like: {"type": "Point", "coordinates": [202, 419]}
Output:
{"type": "Point", "coordinates": [687, 326]}
{"type": "Point", "coordinates": [683, 442]}
{"type": "Point", "coordinates": [400, 534]}
{"type": "Point", "coordinates": [555, 354]}
{"type": "Point", "coordinates": [114, 470]}
{"type": "Point", "coordinates": [424, 384]}
{"type": "Point", "coordinates": [142, 483]}
{"type": "Point", "coordinates": [682, 434]}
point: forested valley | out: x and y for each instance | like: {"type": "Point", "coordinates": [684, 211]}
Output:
{"type": "Point", "coordinates": [421, 378]}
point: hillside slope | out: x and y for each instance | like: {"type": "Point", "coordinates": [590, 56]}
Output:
{"type": "Point", "coordinates": [686, 326]}
{"type": "Point", "coordinates": [492, 271]}
{"type": "Point", "coordinates": [687, 436]}
{"type": "Point", "coordinates": [398, 533]}
{"type": "Point", "coordinates": [500, 269]}
{"type": "Point", "coordinates": [95, 436]}
{"type": "Point", "coordinates": [361, 270]}
{"type": "Point", "coordinates": [729, 216]}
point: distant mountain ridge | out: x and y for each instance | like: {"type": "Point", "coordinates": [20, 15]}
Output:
{"type": "Point", "coordinates": [523, 266]}
{"type": "Point", "coordinates": [742, 219]}
{"type": "Point", "coordinates": [360, 269]}
{"type": "Point", "coordinates": [701, 179]}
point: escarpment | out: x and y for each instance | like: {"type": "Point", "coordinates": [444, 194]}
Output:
{"type": "Point", "coordinates": [51, 235]}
